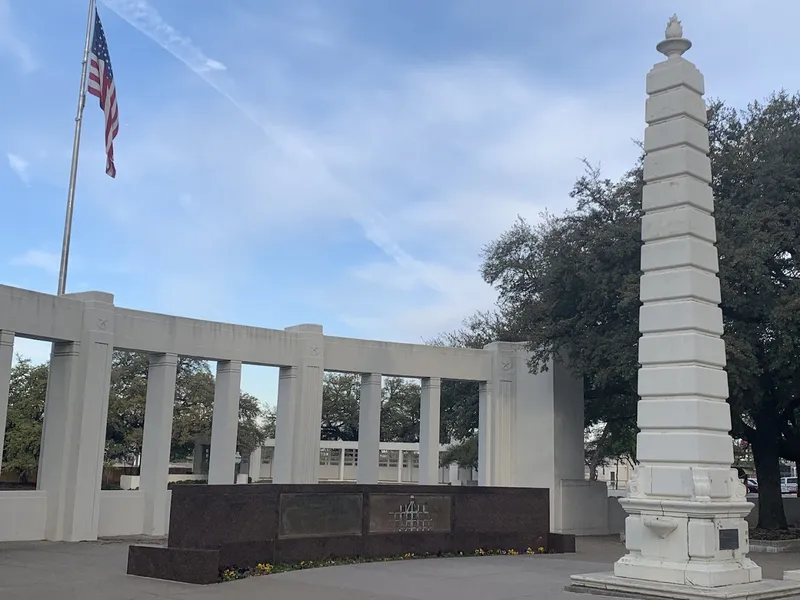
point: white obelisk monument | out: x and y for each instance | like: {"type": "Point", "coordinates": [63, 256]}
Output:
{"type": "Point", "coordinates": [686, 532]}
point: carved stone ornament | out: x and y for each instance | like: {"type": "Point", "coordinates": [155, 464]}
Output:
{"type": "Point", "coordinates": [633, 483]}
{"type": "Point", "coordinates": [674, 29]}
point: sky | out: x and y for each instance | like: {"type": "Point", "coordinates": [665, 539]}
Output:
{"type": "Point", "coordinates": [334, 162]}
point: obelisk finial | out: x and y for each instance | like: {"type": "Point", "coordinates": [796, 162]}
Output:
{"type": "Point", "coordinates": [674, 44]}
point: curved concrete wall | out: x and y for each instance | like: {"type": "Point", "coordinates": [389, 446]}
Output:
{"type": "Point", "coordinates": [46, 317]}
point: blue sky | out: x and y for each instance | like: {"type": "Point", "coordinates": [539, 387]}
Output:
{"type": "Point", "coordinates": [338, 162]}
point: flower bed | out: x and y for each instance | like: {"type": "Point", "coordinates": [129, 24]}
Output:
{"type": "Point", "coordinates": [232, 573]}
{"type": "Point", "coordinates": [775, 535]}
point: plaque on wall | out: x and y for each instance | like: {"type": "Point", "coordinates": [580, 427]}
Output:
{"type": "Point", "coordinates": [728, 539]}
{"type": "Point", "coordinates": [396, 513]}
{"type": "Point", "coordinates": [319, 515]}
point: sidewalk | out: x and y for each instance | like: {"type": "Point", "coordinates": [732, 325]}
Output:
{"type": "Point", "coordinates": [96, 571]}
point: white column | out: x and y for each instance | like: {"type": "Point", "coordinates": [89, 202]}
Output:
{"type": "Point", "coordinates": [452, 474]}
{"type": "Point", "coordinates": [225, 423]}
{"type": "Point", "coordinates": [485, 437]}
{"type": "Point", "coordinates": [284, 426]}
{"type": "Point", "coordinates": [254, 471]}
{"type": "Point", "coordinates": [686, 505]}
{"type": "Point", "coordinates": [399, 466]}
{"type": "Point", "coordinates": [497, 405]}
{"type": "Point", "coordinates": [157, 440]}
{"type": "Point", "coordinates": [369, 428]}
{"type": "Point", "coordinates": [341, 464]}
{"type": "Point", "coordinates": [429, 431]}
{"type": "Point", "coordinates": [75, 419]}
{"type": "Point", "coordinates": [6, 357]}
{"type": "Point", "coordinates": [299, 416]}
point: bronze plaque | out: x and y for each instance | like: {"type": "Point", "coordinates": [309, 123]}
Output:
{"type": "Point", "coordinates": [728, 539]}
{"type": "Point", "coordinates": [395, 513]}
{"type": "Point", "coordinates": [320, 515]}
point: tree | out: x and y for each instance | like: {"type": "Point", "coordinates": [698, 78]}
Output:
{"type": "Point", "coordinates": [464, 454]}
{"type": "Point", "coordinates": [23, 427]}
{"type": "Point", "coordinates": [340, 397]}
{"type": "Point", "coordinates": [126, 404]}
{"type": "Point", "coordinates": [400, 402]}
{"type": "Point", "coordinates": [603, 446]}
{"type": "Point", "coordinates": [570, 284]}
{"type": "Point", "coordinates": [459, 399]}
{"type": "Point", "coordinates": [193, 410]}
{"type": "Point", "coordinates": [757, 177]}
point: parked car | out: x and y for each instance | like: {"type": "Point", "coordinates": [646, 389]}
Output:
{"type": "Point", "coordinates": [788, 485]}
{"type": "Point", "coordinates": [752, 485]}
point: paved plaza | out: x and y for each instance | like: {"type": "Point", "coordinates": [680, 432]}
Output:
{"type": "Point", "coordinates": [96, 571]}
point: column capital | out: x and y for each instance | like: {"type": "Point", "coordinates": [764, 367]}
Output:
{"type": "Point", "coordinates": [431, 382]}
{"type": "Point", "coordinates": [163, 359]}
{"type": "Point", "coordinates": [229, 366]}
{"type": "Point", "coordinates": [6, 338]}
{"type": "Point", "coordinates": [371, 379]}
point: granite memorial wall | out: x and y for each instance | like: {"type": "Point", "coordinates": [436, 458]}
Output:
{"type": "Point", "coordinates": [238, 526]}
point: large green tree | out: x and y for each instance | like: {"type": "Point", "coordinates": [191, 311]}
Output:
{"type": "Point", "coordinates": [193, 409]}
{"type": "Point", "coordinates": [23, 428]}
{"type": "Point", "coordinates": [192, 414]}
{"type": "Point", "coordinates": [570, 284]}
{"type": "Point", "coordinates": [340, 396]}
{"type": "Point", "coordinates": [400, 403]}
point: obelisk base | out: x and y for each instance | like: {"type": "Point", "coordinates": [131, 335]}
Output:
{"type": "Point", "coordinates": [685, 549]}
{"type": "Point", "coordinates": [608, 584]}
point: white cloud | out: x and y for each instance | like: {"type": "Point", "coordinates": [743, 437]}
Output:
{"type": "Point", "coordinates": [38, 259]}
{"type": "Point", "coordinates": [430, 158]}
{"type": "Point", "coordinates": [11, 42]}
{"type": "Point", "coordinates": [431, 163]}
{"type": "Point", "coordinates": [20, 166]}
{"type": "Point", "coordinates": [146, 19]}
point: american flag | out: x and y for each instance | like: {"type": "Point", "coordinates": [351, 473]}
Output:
{"type": "Point", "coordinates": [101, 84]}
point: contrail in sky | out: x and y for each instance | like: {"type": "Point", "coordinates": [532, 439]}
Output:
{"type": "Point", "coordinates": [144, 17]}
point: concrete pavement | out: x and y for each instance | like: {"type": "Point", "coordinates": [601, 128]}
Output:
{"type": "Point", "coordinates": [96, 571]}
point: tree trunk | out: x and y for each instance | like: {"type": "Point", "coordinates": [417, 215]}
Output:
{"type": "Point", "coordinates": [594, 462]}
{"type": "Point", "coordinates": [766, 454]}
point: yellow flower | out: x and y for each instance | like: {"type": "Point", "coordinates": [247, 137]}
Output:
{"type": "Point", "coordinates": [529, 550]}
{"type": "Point", "coordinates": [541, 550]}
{"type": "Point", "coordinates": [263, 568]}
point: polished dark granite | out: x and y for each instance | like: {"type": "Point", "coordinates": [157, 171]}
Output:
{"type": "Point", "coordinates": [238, 526]}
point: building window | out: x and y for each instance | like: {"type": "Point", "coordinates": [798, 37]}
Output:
{"type": "Point", "coordinates": [413, 457]}
{"type": "Point", "coordinates": [267, 453]}
{"type": "Point", "coordinates": [383, 458]}
{"type": "Point", "coordinates": [350, 457]}
{"type": "Point", "coordinates": [394, 456]}
{"type": "Point", "coordinates": [336, 456]}
{"type": "Point", "coordinates": [324, 457]}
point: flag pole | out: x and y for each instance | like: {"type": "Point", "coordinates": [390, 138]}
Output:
{"type": "Point", "coordinates": [76, 144]}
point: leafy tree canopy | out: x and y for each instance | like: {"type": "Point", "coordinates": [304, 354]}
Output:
{"type": "Point", "coordinates": [570, 285]}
